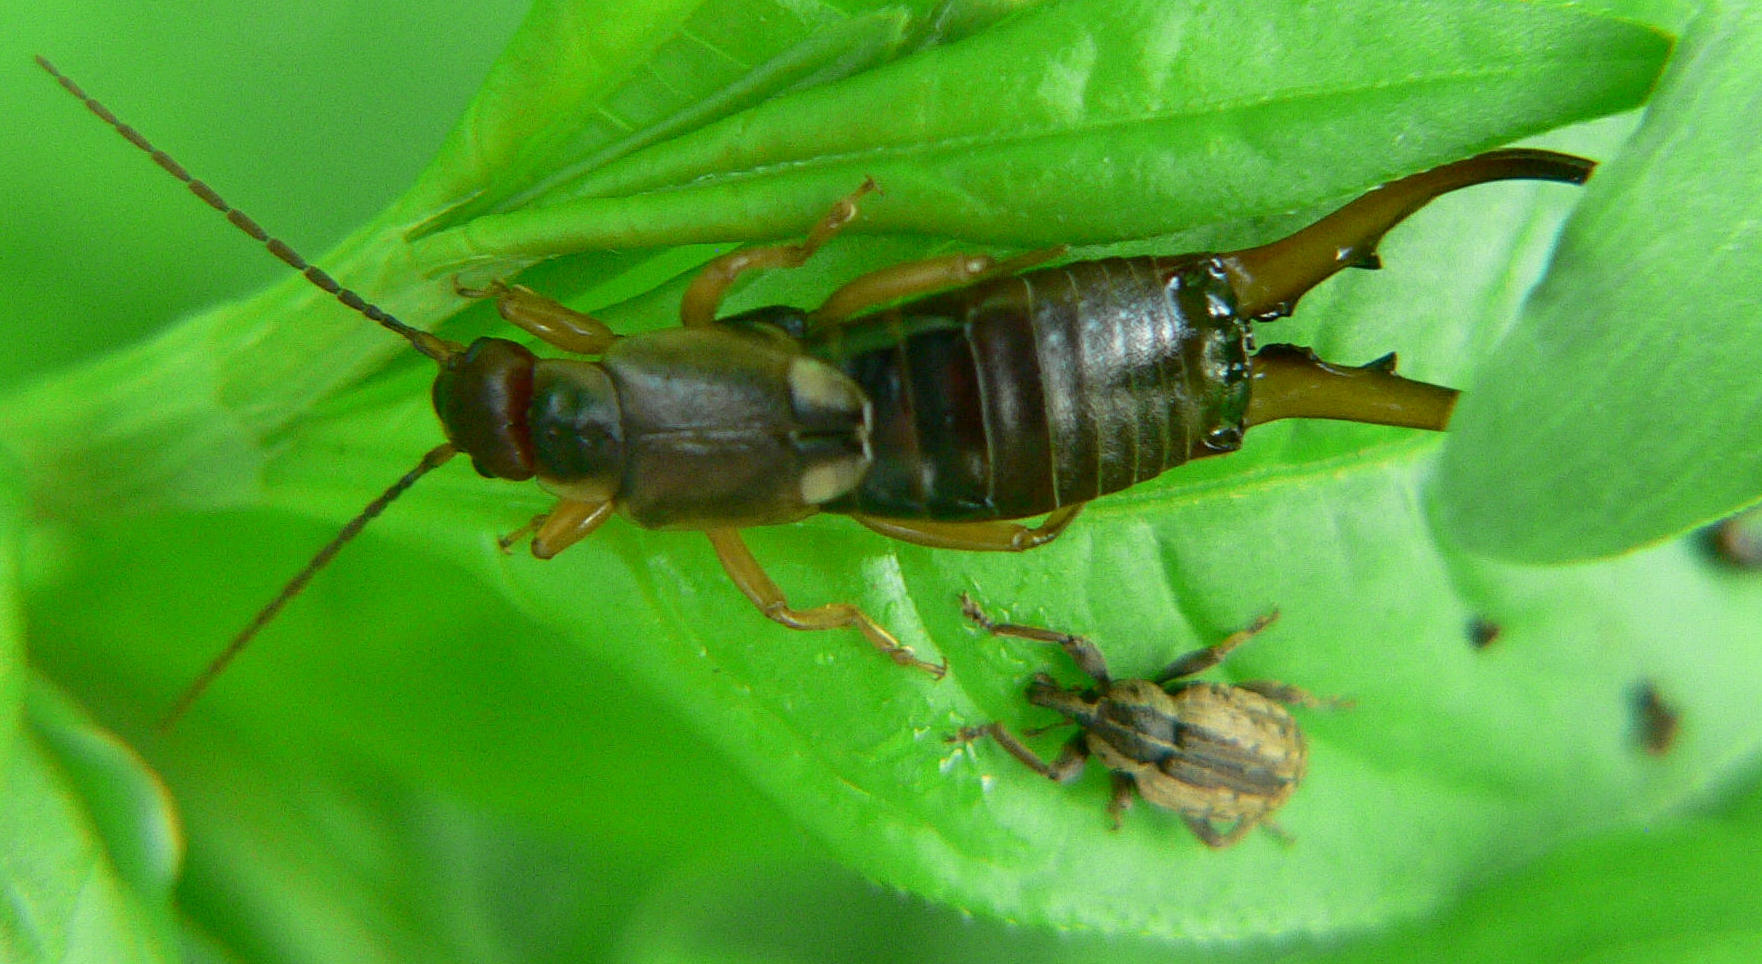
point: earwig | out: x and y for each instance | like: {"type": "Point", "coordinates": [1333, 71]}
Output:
{"type": "Point", "coordinates": [936, 402]}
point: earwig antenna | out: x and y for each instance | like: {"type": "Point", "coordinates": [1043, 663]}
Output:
{"type": "Point", "coordinates": [428, 344]}
{"type": "Point", "coordinates": [433, 460]}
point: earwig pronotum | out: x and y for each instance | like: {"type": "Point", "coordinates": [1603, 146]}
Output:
{"type": "Point", "coordinates": [1007, 390]}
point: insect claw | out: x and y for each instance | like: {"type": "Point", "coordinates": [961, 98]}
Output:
{"type": "Point", "coordinates": [495, 289]}
{"type": "Point", "coordinates": [966, 734]}
{"type": "Point", "coordinates": [971, 610]}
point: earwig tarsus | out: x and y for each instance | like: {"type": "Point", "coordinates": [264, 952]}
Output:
{"type": "Point", "coordinates": [1006, 390]}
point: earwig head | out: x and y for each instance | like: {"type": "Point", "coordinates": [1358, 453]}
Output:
{"type": "Point", "coordinates": [482, 395]}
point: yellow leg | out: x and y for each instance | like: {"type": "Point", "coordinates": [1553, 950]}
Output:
{"type": "Point", "coordinates": [747, 574]}
{"type": "Point", "coordinates": [1201, 660]}
{"type": "Point", "coordinates": [568, 523]}
{"type": "Point", "coordinates": [1062, 770]}
{"type": "Point", "coordinates": [707, 290]}
{"type": "Point", "coordinates": [921, 278]}
{"type": "Point", "coordinates": [557, 324]}
{"type": "Point", "coordinates": [507, 542]}
{"type": "Point", "coordinates": [1122, 793]}
{"type": "Point", "coordinates": [1080, 649]}
{"type": "Point", "coordinates": [976, 536]}
{"type": "Point", "coordinates": [1209, 835]}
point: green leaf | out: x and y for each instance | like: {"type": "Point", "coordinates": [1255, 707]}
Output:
{"type": "Point", "coordinates": [1623, 408]}
{"type": "Point", "coordinates": [1659, 894]}
{"type": "Point", "coordinates": [1157, 116]}
{"type": "Point", "coordinates": [1623, 897]}
{"type": "Point", "coordinates": [1423, 786]}
{"type": "Point", "coordinates": [88, 846]}
{"type": "Point", "coordinates": [408, 769]}
{"type": "Point", "coordinates": [584, 84]}
{"type": "Point", "coordinates": [432, 702]}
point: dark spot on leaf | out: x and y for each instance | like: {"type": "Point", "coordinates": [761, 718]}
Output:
{"type": "Point", "coordinates": [1483, 632]}
{"type": "Point", "coordinates": [1655, 721]}
{"type": "Point", "coordinates": [1737, 541]}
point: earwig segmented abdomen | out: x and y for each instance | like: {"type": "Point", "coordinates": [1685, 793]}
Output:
{"type": "Point", "coordinates": [1020, 395]}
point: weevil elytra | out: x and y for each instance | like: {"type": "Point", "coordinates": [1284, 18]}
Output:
{"type": "Point", "coordinates": [998, 391]}
{"type": "Point", "coordinates": [1210, 752]}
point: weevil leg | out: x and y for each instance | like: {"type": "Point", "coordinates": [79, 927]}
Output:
{"type": "Point", "coordinates": [1062, 770]}
{"type": "Point", "coordinates": [1122, 792]}
{"type": "Point", "coordinates": [1201, 660]}
{"type": "Point", "coordinates": [1208, 834]}
{"type": "Point", "coordinates": [1293, 696]}
{"type": "Point", "coordinates": [921, 278]}
{"type": "Point", "coordinates": [1081, 650]}
{"type": "Point", "coordinates": [707, 290]}
{"type": "Point", "coordinates": [976, 536]}
{"type": "Point", "coordinates": [1290, 382]}
{"type": "Point", "coordinates": [551, 321]}
{"type": "Point", "coordinates": [1277, 832]}
{"type": "Point", "coordinates": [568, 523]}
{"type": "Point", "coordinates": [1269, 279]}
{"type": "Point", "coordinates": [747, 574]}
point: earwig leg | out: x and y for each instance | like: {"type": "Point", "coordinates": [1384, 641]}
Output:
{"type": "Point", "coordinates": [707, 290]}
{"type": "Point", "coordinates": [1081, 650]}
{"type": "Point", "coordinates": [1201, 660]}
{"type": "Point", "coordinates": [1121, 794]}
{"type": "Point", "coordinates": [920, 278]}
{"type": "Point", "coordinates": [1290, 382]}
{"type": "Point", "coordinates": [1293, 696]}
{"type": "Point", "coordinates": [557, 324]}
{"type": "Point", "coordinates": [1063, 770]}
{"type": "Point", "coordinates": [568, 523]}
{"type": "Point", "coordinates": [747, 574]}
{"type": "Point", "coordinates": [507, 542]}
{"type": "Point", "coordinates": [1269, 279]}
{"type": "Point", "coordinates": [976, 536]}
{"type": "Point", "coordinates": [1208, 834]}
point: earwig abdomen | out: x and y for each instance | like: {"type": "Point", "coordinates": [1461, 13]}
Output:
{"type": "Point", "coordinates": [1017, 396]}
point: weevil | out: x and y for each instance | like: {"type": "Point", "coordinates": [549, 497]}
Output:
{"type": "Point", "coordinates": [938, 402]}
{"type": "Point", "coordinates": [1210, 752]}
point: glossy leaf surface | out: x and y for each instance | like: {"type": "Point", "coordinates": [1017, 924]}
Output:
{"type": "Point", "coordinates": [1626, 406]}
